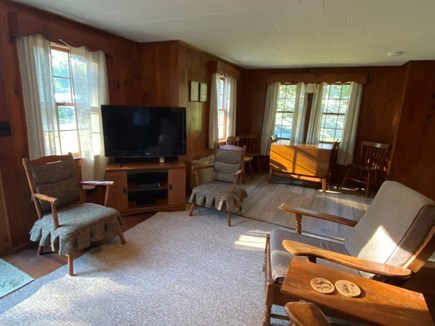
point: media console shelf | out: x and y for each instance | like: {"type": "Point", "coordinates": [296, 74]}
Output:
{"type": "Point", "coordinates": [147, 187]}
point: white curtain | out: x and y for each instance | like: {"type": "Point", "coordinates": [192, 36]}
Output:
{"type": "Point", "coordinates": [269, 117]}
{"type": "Point", "coordinates": [38, 96]}
{"type": "Point", "coordinates": [90, 91]}
{"type": "Point", "coordinates": [313, 134]}
{"type": "Point", "coordinates": [347, 145]}
{"type": "Point", "coordinates": [299, 114]}
{"type": "Point", "coordinates": [213, 132]}
{"type": "Point", "coordinates": [270, 113]}
{"type": "Point", "coordinates": [89, 77]}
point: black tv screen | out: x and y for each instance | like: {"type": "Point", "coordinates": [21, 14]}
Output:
{"type": "Point", "coordinates": [142, 131]}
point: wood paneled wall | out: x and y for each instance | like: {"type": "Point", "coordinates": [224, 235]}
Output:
{"type": "Point", "coordinates": [124, 82]}
{"type": "Point", "coordinates": [160, 67]}
{"type": "Point", "coordinates": [167, 69]}
{"type": "Point", "coordinates": [413, 157]}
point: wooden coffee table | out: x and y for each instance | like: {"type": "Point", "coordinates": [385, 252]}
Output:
{"type": "Point", "coordinates": [378, 302]}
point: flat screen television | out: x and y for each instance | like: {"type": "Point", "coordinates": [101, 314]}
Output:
{"type": "Point", "coordinates": [143, 131]}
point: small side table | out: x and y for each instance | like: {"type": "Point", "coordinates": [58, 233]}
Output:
{"type": "Point", "coordinates": [379, 303]}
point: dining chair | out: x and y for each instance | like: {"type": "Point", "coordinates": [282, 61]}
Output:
{"type": "Point", "coordinates": [370, 162]}
{"type": "Point", "coordinates": [235, 141]}
{"type": "Point", "coordinates": [249, 140]}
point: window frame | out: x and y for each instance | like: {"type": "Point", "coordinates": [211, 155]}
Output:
{"type": "Point", "coordinates": [223, 109]}
{"type": "Point", "coordinates": [61, 131]}
{"type": "Point", "coordinates": [283, 112]}
{"type": "Point", "coordinates": [339, 114]}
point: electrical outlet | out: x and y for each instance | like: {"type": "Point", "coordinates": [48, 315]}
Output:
{"type": "Point", "coordinates": [5, 129]}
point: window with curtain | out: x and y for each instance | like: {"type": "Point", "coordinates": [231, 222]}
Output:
{"type": "Point", "coordinates": [222, 109]}
{"type": "Point", "coordinates": [63, 90]}
{"type": "Point", "coordinates": [331, 115]}
{"type": "Point", "coordinates": [333, 105]}
{"type": "Point", "coordinates": [66, 101]}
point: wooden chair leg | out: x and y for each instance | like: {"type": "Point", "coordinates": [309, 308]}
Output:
{"type": "Point", "coordinates": [258, 164]}
{"type": "Point", "coordinates": [229, 218]}
{"type": "Point", "coordinates": [70, 265]}
{"type": "Point", "coordinates": [269, 178]}
{"type": "Point", "coordinates": [267, 305]}
{"type": "Point", "coordinates": [191, 209]}
{"type": "Point", "coordinates": [121, 237]}
{"type": "Point", "coordinates": [251, 170]}
{"type": "Point", "coordinates": [344, 179]}
{"type": "Point", "coordinates": [368, 183]}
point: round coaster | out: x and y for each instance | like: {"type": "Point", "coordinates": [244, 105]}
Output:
{"type": "Point", "coordinates": [322, 285]}
{"type": "Point", "coordinates": [347, 288]}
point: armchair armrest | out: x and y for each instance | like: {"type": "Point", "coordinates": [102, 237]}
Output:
{"type": "Point", "coordinates": [195, 170]}
{"type": "Point", "coordinates": [306, 313]}
{"type": "Point", "coordinates": [45, 198]}
{"type": "Point", "coordinates": [93, 184]}
{"type": "Point", "coordinates": [302, 249]}
{"type": "Point", "coordinates": [236, 177]}
{"type": "Point", "coordinates": [97, 183]}
{"type": "Point", "coordinates": [52, 201]}
{"type": "Point", "coordinates": [328, 217]}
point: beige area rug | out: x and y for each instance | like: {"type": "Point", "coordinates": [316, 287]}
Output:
{"type": "Point", "coordinates": [175, 269]}
{"type": "Point", "coordinates": [264, 198]}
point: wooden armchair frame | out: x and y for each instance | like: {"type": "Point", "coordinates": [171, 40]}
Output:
{"type": "Point", "coordinates": [412, 266]}
{"type": "Point", "coordinates": [53, 200]}
{"type": "Point", "coordinates": [305, 313]}
{"type": "Point", "coordinates": [396, 275]}
{"type": "Point", "coordinates": [235, 179]}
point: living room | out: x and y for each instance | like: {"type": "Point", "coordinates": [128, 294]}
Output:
{"type": "Point", "coordinates": [396, 105]}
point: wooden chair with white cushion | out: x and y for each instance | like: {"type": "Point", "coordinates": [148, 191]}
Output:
{"type": "Point", "coordinates": [390, 243]}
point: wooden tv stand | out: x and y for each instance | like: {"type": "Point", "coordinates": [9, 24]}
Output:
{"type": "Point", "coordinates": [147, 186]}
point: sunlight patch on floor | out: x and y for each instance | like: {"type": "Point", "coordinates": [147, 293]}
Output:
{"type": "Point", "coordinates": [252, 240]}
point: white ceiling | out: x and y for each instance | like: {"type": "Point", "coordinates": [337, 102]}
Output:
{"type": "Point", "coordinates": [270, 33]}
